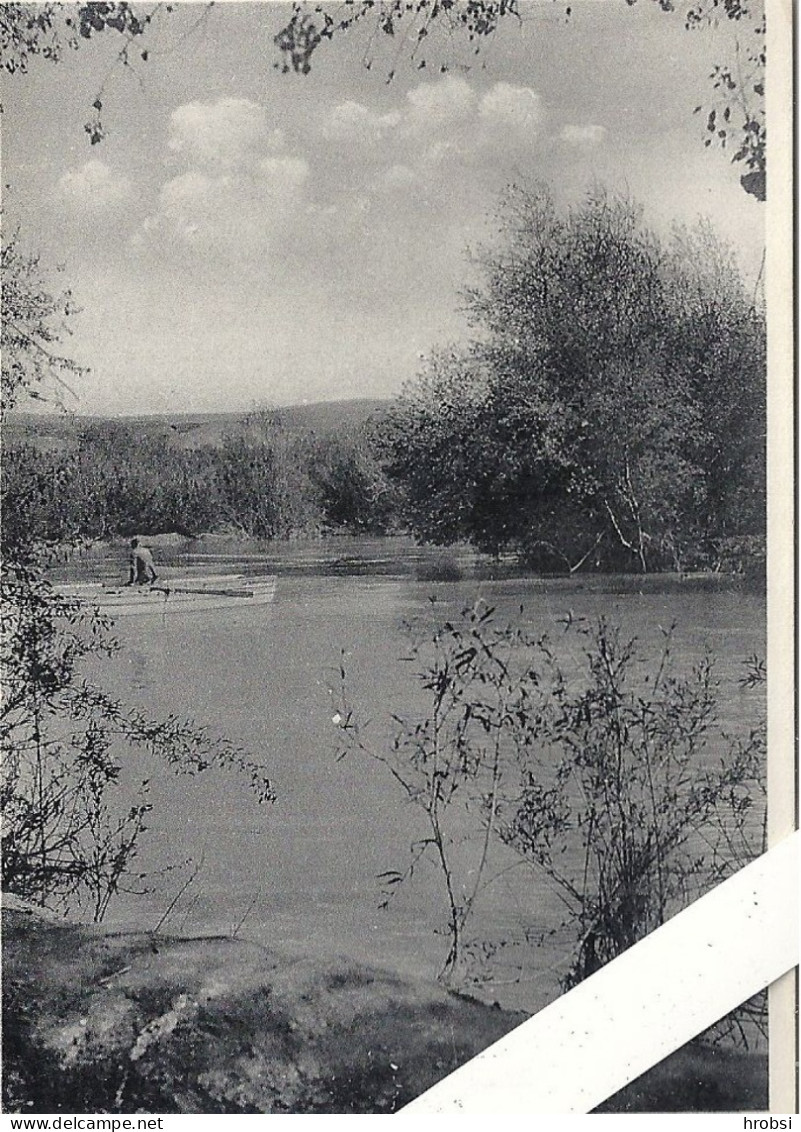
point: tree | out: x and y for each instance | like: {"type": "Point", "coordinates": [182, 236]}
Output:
{"type": "Point", "coordinates": [34, 322]}
{"type": "Point", "coordinates": [617, 380]}
{"type": "Point", "coordinates": [632, 800]}
{"type": "Point", "coordinates": [354, 492]}
{"type": "Point", "coordinates": [720, 328]}
{"type": "Point", "coordinates": [431, 437]}
{"type": "Point", "coordinates": [48, 30]}
{"type": "Point", "coordinates": [68, 834]}
{"type": "Point", "coordinates": [262, 478]}
{"type": "Point", "coordinates": [738, 111]}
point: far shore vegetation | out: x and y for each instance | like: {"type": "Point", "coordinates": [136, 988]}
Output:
{"type": "Point", "coordinates": [608, 415]}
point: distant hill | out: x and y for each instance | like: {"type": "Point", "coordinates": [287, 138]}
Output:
{"type": "Point", "coordinates": [59, 431]}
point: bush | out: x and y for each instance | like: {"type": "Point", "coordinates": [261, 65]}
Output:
{"type": "Point", "coordinates": [444, 568]}
{"type": "Point", "coordinates": [745, 555]}
{"type": "Point", "coordinates": [614, 781]}
{"type": "Point", "coordinates": [630, 766]}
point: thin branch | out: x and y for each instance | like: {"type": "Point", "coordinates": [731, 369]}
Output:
{"type": "Point", "coordinates": [189, 881]}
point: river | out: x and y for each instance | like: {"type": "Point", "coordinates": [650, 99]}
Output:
{"type": "Point", "coordinates": [301, 873]}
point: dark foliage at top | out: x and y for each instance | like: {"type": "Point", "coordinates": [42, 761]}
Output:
{"type": "Point", "coordinates": [735, 117]}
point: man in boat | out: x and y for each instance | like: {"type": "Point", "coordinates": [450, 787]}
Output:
{"type": "Point", "coordinates": [142, 569]}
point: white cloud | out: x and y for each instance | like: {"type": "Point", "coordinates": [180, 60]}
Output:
{"type": "Point", "coordinates": [441, 124]}
{"type": "Point", "coordinates": [281, 176]}
{"type": "Point", "coordinates": [225, 133]}
{"type": "Point", "coordinates": [352, 121]}
{"type": "Point", "coordinates": [94, 185]}
{"type": "Point", "coordinates": [240, 185]}
{"type": "Point", "coordinates": [184, 203]}
{"type": "Point", "coordinates": [430, 108]}
{"type": "Point", "coordinates": [452, 124]}
{"type": "Point", "coordinates": [512, 107]}
{"type": "Point", "coordinates": [433, 106]}
{"type": "Point", "coordinates": [583, 135]}
{"type": "Point", "coordinates": [245, 189]}
{"type": "Point", "coordinates": [231, 213]}
{"type": "Point", "coordinates": [441, 121]}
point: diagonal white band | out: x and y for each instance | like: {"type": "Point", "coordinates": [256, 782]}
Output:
{"type": "Point", "coordinates": [579, 1050]}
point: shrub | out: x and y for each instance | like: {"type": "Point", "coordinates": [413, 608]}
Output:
{"type": "Point", "coordinates": [443, 568]}
{"type": "Point", "coordinates": [614, 781]}
{"type": "Point", "coordinates": [631, 768]}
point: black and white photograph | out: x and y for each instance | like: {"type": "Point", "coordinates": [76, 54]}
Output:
{"type": "Point", "coordinates": [397, 555]}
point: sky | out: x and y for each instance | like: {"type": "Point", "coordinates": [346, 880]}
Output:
{"type": "Point", "coordinates": [244, 238]}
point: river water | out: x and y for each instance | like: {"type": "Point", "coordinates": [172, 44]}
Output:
{"type": "Point", "coordinates": [302, 873]}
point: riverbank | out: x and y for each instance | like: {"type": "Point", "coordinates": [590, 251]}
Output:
{"type": "Point", "coordinates": [341, 555]}
{"type": "Point", "coordinates": [99, 1021]}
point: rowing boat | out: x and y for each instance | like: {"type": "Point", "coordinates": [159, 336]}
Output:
{"type": "Point", "coordinates": [176, 595]}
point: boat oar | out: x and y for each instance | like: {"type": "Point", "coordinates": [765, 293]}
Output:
{"type": "Point", "coordinates": [211, 592]}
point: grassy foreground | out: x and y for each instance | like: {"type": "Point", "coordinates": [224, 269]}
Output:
{"type": "Point", "coordinates": [97, 1021]}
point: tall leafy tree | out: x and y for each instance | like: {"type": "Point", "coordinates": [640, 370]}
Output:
{"type": "Point", "coordinates": [432, 438]}
{"type": "Point", "coordinates": [617, 417]}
